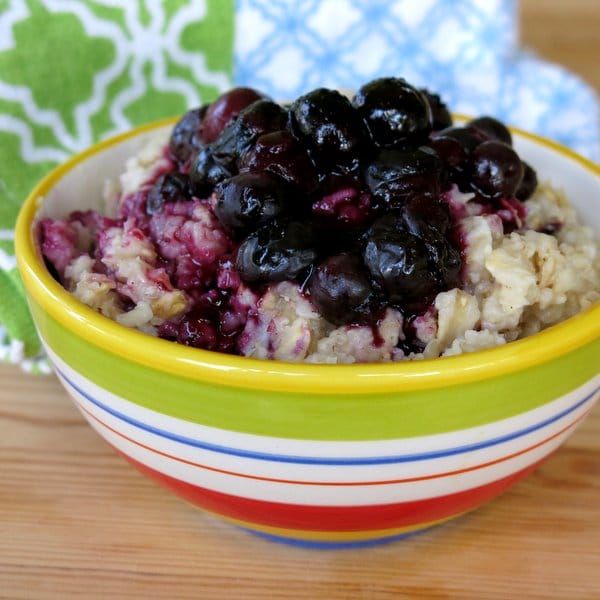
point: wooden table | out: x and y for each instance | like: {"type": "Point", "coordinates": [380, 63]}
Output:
{"type": "Point", "coordinates": [76, 520]}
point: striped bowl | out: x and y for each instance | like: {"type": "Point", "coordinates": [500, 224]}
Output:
{"type": "Point", "coordinates": [319, 455]}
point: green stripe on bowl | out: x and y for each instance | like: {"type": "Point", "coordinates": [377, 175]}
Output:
{"type": "Point", "coordinates": [326, 416]}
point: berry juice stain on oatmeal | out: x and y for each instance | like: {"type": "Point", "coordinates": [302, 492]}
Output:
{"type": "Point", "coordinates": [330, 230]}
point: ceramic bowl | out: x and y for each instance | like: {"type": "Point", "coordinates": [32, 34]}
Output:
{"type": "Point", "coordinates": [320, 455]}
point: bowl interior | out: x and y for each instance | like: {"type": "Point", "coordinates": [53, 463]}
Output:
{"type": "Point", "coordinates": [78, 184]}
{"type": "Point", "coordinates": [579, 178]}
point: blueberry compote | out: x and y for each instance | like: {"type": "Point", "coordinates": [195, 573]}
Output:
{"type": "Point", "coordinates": [351, 199]}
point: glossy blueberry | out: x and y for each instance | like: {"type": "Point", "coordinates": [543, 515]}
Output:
{"type": "Point", "coordinates": [454, 146]}
{"type": "Point", "coordinates": [262, 116]}
{"type": "Point", "coordinates": [211, 324]}
{"type": "Point", "coordinates": [333, 130]}
{"type": "Point", "coordinates": [528, 184]}
{"type": "Point", "coordinates": [398, 263]}
{"type": "Point", "coordinates": [249, 200]}
{"type": "Point", "coordinates": [397, 175]}
{"type": "Point", "coordinates": [492, 129]}
{"type": "Point", "coordinates": [409, 267]}
{"type": "Point", "coordinates": [224, 110]}
{"type": "Point", "coordinates": [495, 170]}
{"type": "Point", "coordinates": [185, 140]}
{"type": "Point", "coordinates": [468, 138]}
{"type": "Point", "coordinates": [221, 158]}
{"type": "Point", "coordinates": [444, 260]}
{"type": "Point", "coordinates": [231, 144]}
{"type": "Point", "coordinates": [278, 251]}
{"type": "Point", "coordinates": [171, 187]}
{"type": "Point", "coordinates": [341, 291]}
{"type": "Point", "coordinates": [425, 216]}
{"type": "Point", "coordinates": [440, 115]}
{"type": "Point", "coordinates": [198, 332]}
{"type": "Point", "coordinates": [450, 150]}
{"type": "Point", "coordinates": [344, 203]}
{"type": "Point", "coordinates": [279, 152]}
{"type": "Point", "coordinates": [395, 112]}
{"type": "Point", "coordinates": [206, 171]}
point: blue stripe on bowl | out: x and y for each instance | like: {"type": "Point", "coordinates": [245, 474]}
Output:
{"type": "Point", "coordinates": [318, 460]}
{"type": "Point", "coordinates": [334, 545]}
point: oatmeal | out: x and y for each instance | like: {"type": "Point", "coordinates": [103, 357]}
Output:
{"type": "Point", "coordinates": [330, 231]}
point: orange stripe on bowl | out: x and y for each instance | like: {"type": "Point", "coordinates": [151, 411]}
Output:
{"type": "Point", "coordinates": [334, 483]}
{"type": "Point", "coordinates": [334, 518]}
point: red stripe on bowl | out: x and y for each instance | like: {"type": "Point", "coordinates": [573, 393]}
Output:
{"type": "Point", "coordinates": [334, 518]}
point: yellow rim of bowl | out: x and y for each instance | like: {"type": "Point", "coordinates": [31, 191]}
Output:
{"type": "Point", "coordinates": [251, 373]}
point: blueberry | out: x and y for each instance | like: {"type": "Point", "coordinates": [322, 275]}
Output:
{"type": "Point", "coordinates": [326, 121]}
{"type": "Point", "coordinates": [198, 332]}
{"type": "Point", "coordinates": [262, 116]}
{"type": "Point", "coordinates": [410, 267]}
{"type": "Point", "coordinates": [452, 151]}
{"type": "Point", "coordinates": [231, 144]}
{"type": "Point", "coordinates": [395, 112]}
{"type": "Point", "coordinates": [454, 146]}
{"type": "Point", "coordinates": [224, 109]}
{"type": "Point", "coordinates": [495, 170]}
{"type": "Point", "coordinates": [211, 324]}
{"type": "Point", "coordinates": [249, 200]}
{"type": "Point", "coordinates": [444, 260]}
{"type": "Point", "coordinates": [492, 129]}
{"type": "Point", "coordinates": [426, 217]}
{"type": "Point", "coordinates": [207, 170]}
{"type": "Point", "coordinates": [171, 187]}
{"type": "Point", "coordinates": [220, 159]}
{"type": "Point", "coordinates": [468, 138]}
{"type": "Point", "coordinates": [279, 152]}
{"type": "Point", "coordinates": [185, 138]}
{"type": "Point", "coordinates": [278, 251]}
{"type": "Point", "coordinates": [397, 175]}
{"type": "Point", "coordinates": [440, 115]}
{"type": "Point", "coordinates": [398, 263]}
{"type": "Point", "coordinates": [341, 291]}
{"type": "Point", "coordinates": [240, 135]}
{"type": "Point", "coordinates": [528, 184]}
{"type": "Point", "coordinates": [344, 203]}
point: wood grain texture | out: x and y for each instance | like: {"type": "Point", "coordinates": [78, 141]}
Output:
{"type": "Point", "coordinates": [565, 32]}
{"type": "Point", "coordinates": [77, 521]}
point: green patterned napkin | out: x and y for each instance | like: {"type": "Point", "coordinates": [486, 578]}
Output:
{"type": "Point", "coordinates": [76, 71]}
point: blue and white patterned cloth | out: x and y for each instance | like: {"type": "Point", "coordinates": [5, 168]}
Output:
{"type": "Point", "coordinates": [465, 50]}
